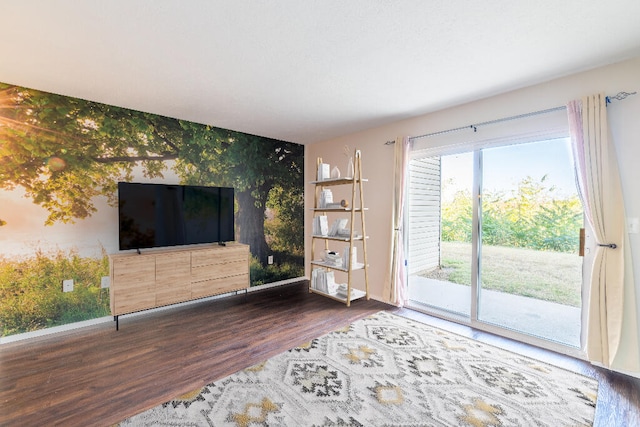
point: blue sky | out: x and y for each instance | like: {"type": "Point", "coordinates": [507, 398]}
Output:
{"type": "Point", "coordinates": [505, 166]}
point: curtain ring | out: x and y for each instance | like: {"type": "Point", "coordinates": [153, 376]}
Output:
{"type": "Point", "coordinates": [608, 245]}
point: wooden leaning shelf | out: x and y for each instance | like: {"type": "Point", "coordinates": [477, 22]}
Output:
{"type": "Point", "coordinates": [321, 266]}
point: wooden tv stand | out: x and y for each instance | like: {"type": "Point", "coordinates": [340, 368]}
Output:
{"type": "Point", "coordinates": [156, 278]}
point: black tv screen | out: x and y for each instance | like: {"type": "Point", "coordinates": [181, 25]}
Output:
{"type": "Point", "coordinates": [157, 215]}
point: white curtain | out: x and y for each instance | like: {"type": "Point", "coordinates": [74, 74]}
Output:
{"type": "Point", "coordinates": [396, 285]}
{"type": "Point", "coordinates": [598, 180]}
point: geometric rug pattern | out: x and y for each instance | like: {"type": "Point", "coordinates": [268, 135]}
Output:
{"type": "Point", "coordinates": [386, 370]}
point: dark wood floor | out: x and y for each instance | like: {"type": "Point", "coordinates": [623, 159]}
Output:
{"type": "Point", "coordinates": [96, 376]}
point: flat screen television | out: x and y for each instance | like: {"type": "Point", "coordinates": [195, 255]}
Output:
{"type": "Point", "coordinates": [157, 215]}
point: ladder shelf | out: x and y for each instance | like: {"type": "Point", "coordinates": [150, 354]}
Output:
{"type": "Point", "coordinates": [351, 211]}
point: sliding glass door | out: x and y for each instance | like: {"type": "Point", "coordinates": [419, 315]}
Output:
{"type": "Point", "coordinates": [506, 252]}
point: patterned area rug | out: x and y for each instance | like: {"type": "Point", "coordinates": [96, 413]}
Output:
{"type": "Point", "coordinates": [387, 370]}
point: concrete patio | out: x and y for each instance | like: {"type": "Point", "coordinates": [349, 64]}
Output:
{"type": "Point", "coordinates": [548, 320]}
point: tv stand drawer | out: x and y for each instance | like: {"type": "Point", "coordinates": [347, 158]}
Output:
{"type": "Point", "coordinates": [221, 285]}
{"type": "Point", "coordinates": [218, 255]}
{"type": "Point", "coordinates": [214, 271]}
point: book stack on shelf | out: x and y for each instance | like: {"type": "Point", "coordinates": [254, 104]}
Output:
{"type": "Point", "coordinates": [353, 258]}
{"type": "Point", "coordinates": [338, 228]}
{"type": "Point", "coordinates": [324, 281]}
{"type": "Point", "coordinates": [326, 198]}
{"type": "Point", "coordinates": [342, 290]}
{"type": "Point", "coordinates": [333, 259]}
{"type": "Point", "coordinates": [320, 226]}
{"type": "Point", "coordinates": [324, 171]}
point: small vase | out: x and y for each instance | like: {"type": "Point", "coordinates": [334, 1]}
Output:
{"type": "Point", "coordinates": [350, 168]}
{"type": "Point", "coordinates": [335, 172]}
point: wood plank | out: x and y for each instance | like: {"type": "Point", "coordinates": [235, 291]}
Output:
{"type": "Point", "coordinates": [97, 376]}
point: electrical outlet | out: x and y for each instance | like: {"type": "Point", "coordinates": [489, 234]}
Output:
{"type": "Point", "coordinates": [270, 259]}
{"type": "Point", "coordinates": [67, 285]}
{"type": "Point", "coordinates": [105, 281]}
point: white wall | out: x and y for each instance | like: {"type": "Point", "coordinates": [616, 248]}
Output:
{"type": "Point", "coordinates": [624, 121]}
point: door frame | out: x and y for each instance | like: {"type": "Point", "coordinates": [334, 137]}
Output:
{"type": "Point", "coordinates": [473, 321]}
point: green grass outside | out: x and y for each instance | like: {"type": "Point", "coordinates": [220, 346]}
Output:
{"type": "Point", "coordinates": [545, 275]}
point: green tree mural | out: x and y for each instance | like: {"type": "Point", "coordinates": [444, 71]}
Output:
{"type": "Point", "coordinates": [65, 151]}
{"type": "Point", "coordinates": [532, 217]}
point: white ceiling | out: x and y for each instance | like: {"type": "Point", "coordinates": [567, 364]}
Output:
{"type": "Point", "coordinates": [305, 71]}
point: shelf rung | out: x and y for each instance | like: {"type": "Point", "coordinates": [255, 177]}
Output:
{"type": "Point", "coordinates": [358, 266]}
{"type": "Point", "coordinates": [338, 181]}
{"type": "Point", "coordinates": [336, 238]}
{"type": "Point", "coordinates": [355, 294]}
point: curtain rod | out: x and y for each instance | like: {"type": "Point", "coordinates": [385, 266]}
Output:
{"type": "Point", "coordinates": [619, 96]}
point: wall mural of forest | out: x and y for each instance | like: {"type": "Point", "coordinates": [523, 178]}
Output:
{"type": "Point", "coordinates": [60, 161]}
